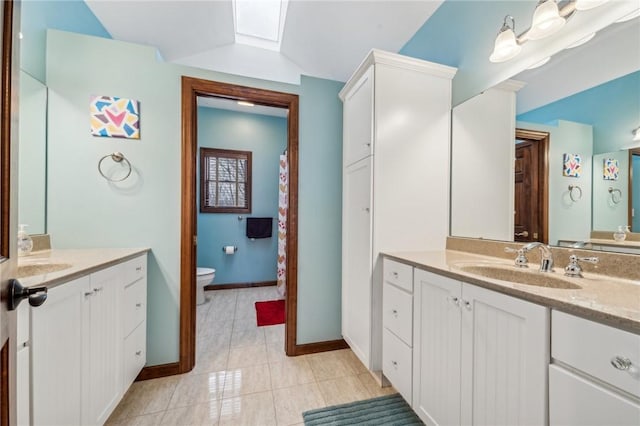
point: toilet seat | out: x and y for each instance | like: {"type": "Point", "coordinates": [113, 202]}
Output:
{"type": "Point", "coordinates": [204, 271]}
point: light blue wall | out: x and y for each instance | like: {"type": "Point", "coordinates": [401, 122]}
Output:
{"type": "Point", "coordinates": [461, 34]}
{"type": "Point", "coordinates": [266, 137]}
{"type": "Point", "coordinates": [320, 211]}
{"type": "Point", "coordinates": [86, 211]}
{"type": "Point", "coordinates": [37, 16]}
{"type": "Point", "coordinates": [612, 108]}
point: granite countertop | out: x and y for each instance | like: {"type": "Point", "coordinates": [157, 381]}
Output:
{"type": "Point", "coordinates": [612, 301]}
{"type": "Point", "coordinates": [625, 243]}
{"type": "Point", "coordinates": [82, 261]}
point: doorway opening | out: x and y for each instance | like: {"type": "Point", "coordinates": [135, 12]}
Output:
{"type": "Point", "coordinates": [531, 209]}
{"type": "Point", "coordinates": [192, 89]}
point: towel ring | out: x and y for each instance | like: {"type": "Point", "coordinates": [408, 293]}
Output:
{"type": "Point", "coordinates": [575, 193]}
{"type": "Point", "coordinates": [117, 157]}
{"type": "Point", "coordinates": [613, 191]}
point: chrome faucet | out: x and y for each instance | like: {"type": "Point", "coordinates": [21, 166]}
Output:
{"type": "Point", "coordinates": [573, 269]}
{"type": "Point", "coordinates": [546, 260]}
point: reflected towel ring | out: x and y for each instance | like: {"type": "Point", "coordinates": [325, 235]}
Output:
{"type": "Point", "coordinates": [575, 193]}
{"type": "Point", "coordinates": [118, 157]}
{"type": "Point", "coordinates": [615, 198]}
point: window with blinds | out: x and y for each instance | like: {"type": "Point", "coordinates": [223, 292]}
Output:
{"type": "Point", "coordinates": [225, 181]}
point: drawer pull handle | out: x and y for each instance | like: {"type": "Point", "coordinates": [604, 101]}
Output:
{"type": "Point", "coordinates": [139, 268]}
{"type": "Point", "coordinates": [138, 353]}
{"type": "Point", "coordinates": [88, 293]}
{"type": "Point", "coordinates": [395, 364]}
{"type": "Point", "coordinates": [138, 305]}
{"type": "Point", "coordinates": [467, 305]}
{"type": "Point", "coordinates": [454, 300]}
{"type": "Point", "coordinates": [99, 289]}
{"type": "Point", "coordinates": [621, 363]}
{"type": "Point", "coordinates": [395, 313]}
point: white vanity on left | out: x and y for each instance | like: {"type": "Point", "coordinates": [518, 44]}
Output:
{"type": "Point", "coordinates": [80, 351]}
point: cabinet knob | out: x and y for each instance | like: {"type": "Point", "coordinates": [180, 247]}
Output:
{"type": "Point", "coordinates": [138, 353]}
{"type": "Point", "coordinates": [139, 268]}
{"type": "Point", "coordinates": [467, 305]}
{"type": "Point", "coordinates": [98, 290]}
{"type": "Point", "coordinates": [395, 312]}
{"type": "Point", "coordinates": [621, 363]}
{"type": "Point", "coordinates": [368, 144]}
{"type": "Point", "coordinates": [138, 305]}
{"type": "Point", "coordinates": [88, 293]}
{"type": "Point", "coordinates": [395, 274]}
{"type": "Point", "coordinates": [394, 363]}
{"type": "Point", "coordinates": [454, 300]}
{"type": "Point", "coordinates": [366, 209]}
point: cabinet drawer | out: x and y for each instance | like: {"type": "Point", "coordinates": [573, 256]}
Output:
{"type": "Point", "coordinates": [396, 363]}
{"type": "Point", "coordinates": [397, 312]}
{"type": "Point", "coordinates": [135, 306]}
{"type": "Point", "coordinates": [592, 347]}
{"type": "Point", "coordinates": [577, 401]}
{"type": "Point", "coordinates": [398, 274]}
{"type": "Point", "coordinates": [135, 269]}
{"type": "Point", "coordinates": [135, 354]}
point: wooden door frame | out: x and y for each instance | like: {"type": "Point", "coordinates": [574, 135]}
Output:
{"type": "Point", "coordinates": [191, 89]}
{"type": "Point", "coordinates": [542, 142]}
{"type": "Point", "coordinates": [632, 152]}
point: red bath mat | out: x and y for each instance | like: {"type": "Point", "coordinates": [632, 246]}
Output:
{"type": "Point", "coordinates": [270, 312]}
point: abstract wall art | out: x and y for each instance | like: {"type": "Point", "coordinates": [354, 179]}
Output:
{"type": "Point", "coordinates": [610, 169]}
{"type": "Point", "coordinates": [572, 165]}
{"type": "Point", "coordinates": [114, 117]}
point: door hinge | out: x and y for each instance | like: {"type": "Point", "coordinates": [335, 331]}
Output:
{"type": "Point", "coordinates": [195, 240]}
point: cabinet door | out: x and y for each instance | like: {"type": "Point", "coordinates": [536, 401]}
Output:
{"type": "Point", "coordinates": [102, 346]}
{"type": "Point", "coordinates": [436, 349]}
{"type": "Point", "coordinates": [358, 120]}
{"type": "Point", "coordinates": [56, 356]}
{"type": "Point", "coordinates": [505, 354]}
{"type": "Point", "coordinates": [577, 401]}
{"type": "Point", "coordinates": [356, 259]}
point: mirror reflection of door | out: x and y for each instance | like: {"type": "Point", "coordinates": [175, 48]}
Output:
{"type": "Point", "coordinates": [531, 206]}
{"type": "Point", "coordinates": [634, 189]}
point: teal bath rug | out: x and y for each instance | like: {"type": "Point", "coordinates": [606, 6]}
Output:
{"type": "Point", "coordinates": [385, 410]}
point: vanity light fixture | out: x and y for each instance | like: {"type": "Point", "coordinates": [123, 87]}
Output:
{"type": "Point", "coordinates": [581, 41]}
{"type": "Point", "coordinates": [636, 134]}
{"type": "Point", "coordinates": [548, 18]}
{"type": "Point", "coordinates": [506, 45]}
{"type": "Point", "coordinates": [589, 4]}
{"type": "Point", "coordinates": [635, 140]}
{"type": "Point", "coordinates": [629, 17]}
{"type": "Point", "coordinates": [539, 64]}
{"type": "Point", "coordinates": [245, 103]}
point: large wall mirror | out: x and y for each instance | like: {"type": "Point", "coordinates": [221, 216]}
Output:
{"type": "Point", "coordinates": [510, 144]}
{"type": "Point", "coordinates": [32, 154]}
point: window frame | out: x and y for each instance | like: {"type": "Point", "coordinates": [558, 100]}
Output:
{"type": "Point", "coordinates": [206, 153]}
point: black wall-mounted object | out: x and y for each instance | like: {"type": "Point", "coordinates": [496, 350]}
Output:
{"type": "Point", "coordinates": [259, 227]}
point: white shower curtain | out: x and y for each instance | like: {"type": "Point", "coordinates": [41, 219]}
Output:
{"type": "Point", "coordinates": [282, 223]}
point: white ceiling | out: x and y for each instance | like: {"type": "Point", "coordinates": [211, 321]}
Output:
{"type": "Point", "coordinates": [228, 104]}
{"type": "Point", "coordinates": [322, 38]}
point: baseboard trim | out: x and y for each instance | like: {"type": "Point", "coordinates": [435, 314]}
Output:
{"type": "Point", "coordinates": [312, 348]}
{"type": "Point", "coordinates": [157, 371]}
{"type": "Point", "coordinates": [239, 285]}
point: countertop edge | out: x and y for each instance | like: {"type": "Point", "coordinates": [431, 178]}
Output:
{"type": "Point", "coordinates": [591, 314]}
{"type": "Point", "coordinates": [94, 267]}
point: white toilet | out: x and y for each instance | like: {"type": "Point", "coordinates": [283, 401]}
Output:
{"type": "Point", "coordinates": [204, 276]}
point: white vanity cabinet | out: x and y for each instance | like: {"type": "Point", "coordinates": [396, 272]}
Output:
{"type": "Point", "coordinates": [594, 378]}
{"type": "Point", "coordinates": [395, 170]}
{"type": "Point", "coordinates": [480, 357]}
{"type": "Point", "coordinates": [79, 362]}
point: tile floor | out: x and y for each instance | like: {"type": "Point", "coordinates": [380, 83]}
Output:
{"type": "Point", "coordinates": [242, 375]}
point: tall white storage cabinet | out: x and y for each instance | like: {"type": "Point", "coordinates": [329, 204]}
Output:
{"type": "Point", "coordinates": [395, 181]}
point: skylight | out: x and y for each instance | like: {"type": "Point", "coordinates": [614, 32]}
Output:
{"type": "Point", "coordinates": [259, 23]}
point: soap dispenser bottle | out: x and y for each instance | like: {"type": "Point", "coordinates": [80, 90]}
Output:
{"type": "Point", "coordinates": [25, 243]}
{"type": "Point", "coordinates": [621, 234]}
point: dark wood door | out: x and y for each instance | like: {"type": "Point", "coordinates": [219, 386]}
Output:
{"type": "Point", "coordinates": [526, 221]}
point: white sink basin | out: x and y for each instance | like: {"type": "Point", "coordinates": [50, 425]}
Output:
{"type": "Point", "coordinates": [520, 276]}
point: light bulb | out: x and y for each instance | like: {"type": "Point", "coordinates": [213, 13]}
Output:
{"type": "Point", "coordinates": [546, 20]}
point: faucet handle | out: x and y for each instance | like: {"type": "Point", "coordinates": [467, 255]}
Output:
{"type": "Point", "coordinates": [520, 260]}
{"type": "Point", "coordinates": [573, 269]}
